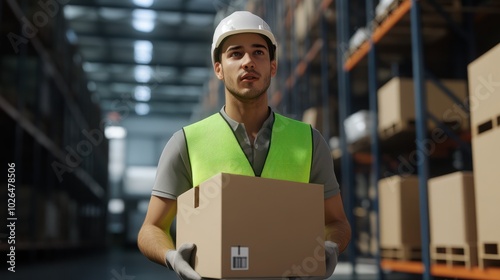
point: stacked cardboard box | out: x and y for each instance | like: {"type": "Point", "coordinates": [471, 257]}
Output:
{"type": "Point", "coordinates": [452, 217]}
{"type": "Point", "coordinates": [396, 101]}
{"type": "Point", "coordinates": [484, 90]}
{"type": "Point", "coordinates": [399, 218]}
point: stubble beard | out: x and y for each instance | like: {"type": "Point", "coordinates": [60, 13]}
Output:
{"type": "Point", "coordinates": [248, 94]}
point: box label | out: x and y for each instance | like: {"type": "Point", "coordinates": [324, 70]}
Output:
{"type": "Point", "coordinates": [239, 258]}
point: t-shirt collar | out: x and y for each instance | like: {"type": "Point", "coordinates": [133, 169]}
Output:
{"type": "Point", "coordinates": [234, 124]}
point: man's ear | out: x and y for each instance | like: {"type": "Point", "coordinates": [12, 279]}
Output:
{"type": "Point", "coordinates": [274, 68]}
{"type": "Point", "coordinates": [218, 71]}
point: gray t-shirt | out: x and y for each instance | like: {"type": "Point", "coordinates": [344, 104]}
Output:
{"type": "Point", "coordinates": [173, 176]}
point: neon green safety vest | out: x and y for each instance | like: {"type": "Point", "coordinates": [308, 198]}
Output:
{"type": "Point", "coordinates": [213, 148]}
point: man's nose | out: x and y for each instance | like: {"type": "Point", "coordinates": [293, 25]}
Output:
{"type": "Point", "coordinates": [248, 62]}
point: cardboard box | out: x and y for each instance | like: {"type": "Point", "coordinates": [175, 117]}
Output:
{"type": "Point", "coordinates": [484, 89]}
{"type": "Point", "coordinates": [484, 95]}
{"type": "Point", "coordinates": [452, 209]}
{"type": "Point", "coordinates": [315, 116]}
{"type": "Point", "coordinates": [396, 101]}
{"type": "Point", "coordinates": [251, 227]}
{"type": "Point", "coordinates": [452, 216]}
{"type": "Point", "coordinates": [399, 212]}
{"type": "Point", "coordinates": [485, 155]}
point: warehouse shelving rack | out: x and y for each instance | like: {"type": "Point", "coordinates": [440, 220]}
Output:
{"type": "Point", "coordinates": [315, 58]}
{"type": "Point", "coordinates": [294, 85]}
{"type": "Point", "coordinates": [369, 49]}
{"type": "Point", "coordinates": [298, 64]}
{"type": "Point", "coordinates": [47, 113]}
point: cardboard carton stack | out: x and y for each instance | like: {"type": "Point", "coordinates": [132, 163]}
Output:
{"type": "Point", "coordinates": [484, 95]}
{"type": "Point", "coordinates": [452, 217]}
{"type": "Point", "coordinates": [399, 217]}
{"type": "Point", "coordinates": [396, 100]}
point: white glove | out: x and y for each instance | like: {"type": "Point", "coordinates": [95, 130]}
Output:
{"type": "Point", "coordinates": [182, 261]}
{"type": "Point", "coordinates": [331, 257]}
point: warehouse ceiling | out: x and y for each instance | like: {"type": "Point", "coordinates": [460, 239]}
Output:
{"type": "Point", "coordinates": [150, 56]}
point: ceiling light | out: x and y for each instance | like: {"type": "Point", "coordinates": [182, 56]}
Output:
{"type": "Point", "coordinates": [144, 3]}
{"type": "Point", "coordinates": [142, 93]}
{"type": "Point", "coordinates": [115, 132]}
{"type": "Point", "coordinates": [89, 66]}
{"type": "Point", "coordinates": [73, 12]}
{"type": "Point", "coordinates": [143, 26]}
{"type": "Point", "coordinates": [116, 206]}
{"type": "Point", "coordinates": [143, 51]}
{"type": "Point", "coordinates": [142, 109]}
{"type": "Point", "coordinates": [113, 14]}
{"type": "Point", "coordinates": [142, 73]}
{"type": "Point", "coordinates": [143, 20]}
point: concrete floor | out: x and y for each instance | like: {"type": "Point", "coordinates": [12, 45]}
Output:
{"type": "Point", "coordinates": [130, 264]}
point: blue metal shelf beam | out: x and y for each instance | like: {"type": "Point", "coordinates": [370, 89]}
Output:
{"type": "Point", "coordinates": [325, 95]}
{"type": "Point", "coordinates": [375, 145]}
{"type": "Point", "coordinates": [421, 128]}
{"type": "Point", "coordinates": [347, 168]}
{"type": "Point", "coordinates": [445, 90]}
{"type": "Point", "coordinates": [464, 146]}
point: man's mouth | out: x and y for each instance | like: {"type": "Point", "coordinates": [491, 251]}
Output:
{"type": "Point", "coordinates": [249, 77]}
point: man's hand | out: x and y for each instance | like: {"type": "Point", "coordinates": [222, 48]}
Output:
{"type": "Point", "coordinates": [331, 257]}
{"type": "Point", "coordinates": [182, 261]}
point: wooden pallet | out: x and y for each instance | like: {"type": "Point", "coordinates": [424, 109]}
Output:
{"type": "Point", "coordinates": [396, 128]}
{"type": "Point", "coordinates": [410, 125]}
{"type": "Point", "coordinates": [465, 255]}
{"type": "Point", "coordinates": [404, 253]}
{"type": "Point", "coordinates": [489, 255]}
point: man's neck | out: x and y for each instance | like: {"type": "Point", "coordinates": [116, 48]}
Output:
{"type": "Point", "coordinates": [253, 115]}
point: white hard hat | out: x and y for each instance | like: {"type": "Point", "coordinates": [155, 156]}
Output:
{"type": "Point", "coordinates": [241, 22]}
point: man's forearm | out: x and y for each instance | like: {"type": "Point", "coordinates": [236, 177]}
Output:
{"type": "Point", "coordinates": [340, 233]}
{"type": "Point", "coordinates": [154, 243]}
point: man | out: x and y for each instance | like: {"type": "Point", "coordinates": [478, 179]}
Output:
{"type": "Point", "coordinates": [245, 137]}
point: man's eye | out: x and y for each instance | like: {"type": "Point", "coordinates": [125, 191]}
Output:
{"type": "Point", "coordinates": [235, 54]}
{"type": "Point", "coordinates": [259, 52]}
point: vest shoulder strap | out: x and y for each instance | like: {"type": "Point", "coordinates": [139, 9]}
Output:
{"type": "Point", "coordinates": [213, 148]}
{"type": "Point", "coordinates": [290, 150]}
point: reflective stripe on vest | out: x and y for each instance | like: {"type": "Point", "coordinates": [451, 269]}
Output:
{"type": "Point", "coordinates": [213, 148]}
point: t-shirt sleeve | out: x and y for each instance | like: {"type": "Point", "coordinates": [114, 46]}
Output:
{"type": "Point", "coordinates": [322, 171]}
{"type": "Point", "coordinates": [173, 175]}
